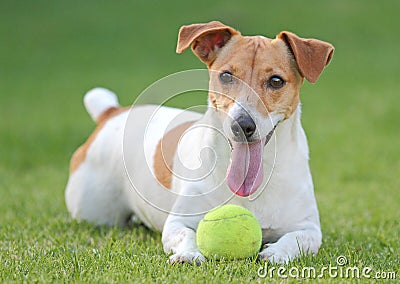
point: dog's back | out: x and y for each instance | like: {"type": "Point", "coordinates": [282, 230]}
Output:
{"type": "Point", "coordinates": [117, 169]}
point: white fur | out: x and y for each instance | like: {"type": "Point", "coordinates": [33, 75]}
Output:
{"type": "Point", "coordinates": [99, 100]}
{"type": "Point", "coordinates": [101, 190]}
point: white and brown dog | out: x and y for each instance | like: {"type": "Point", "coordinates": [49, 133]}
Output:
{"type": "Point", "coordinates": [249, 148]}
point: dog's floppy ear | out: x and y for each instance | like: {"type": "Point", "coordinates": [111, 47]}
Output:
{"type": "Point", "coordinates": [205, 39]}
{"type": "Point", "coordinates": [311, 55]}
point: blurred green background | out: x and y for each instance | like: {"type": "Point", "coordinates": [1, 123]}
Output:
{"type": "Point", "coordinates": [52, 52]}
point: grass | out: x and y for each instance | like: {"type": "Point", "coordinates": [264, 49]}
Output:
{"type": "Point", "coordinates": [51, 52]}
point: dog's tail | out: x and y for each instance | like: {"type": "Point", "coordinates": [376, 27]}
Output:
{"type": "Point", "coordinates": [99, 100]}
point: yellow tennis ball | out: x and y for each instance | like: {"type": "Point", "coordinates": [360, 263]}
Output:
{"type": "Point", "coordinates": [230, 231]}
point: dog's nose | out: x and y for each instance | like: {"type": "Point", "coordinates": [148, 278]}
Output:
{"type": "Point", "coordinates": [243, 125]}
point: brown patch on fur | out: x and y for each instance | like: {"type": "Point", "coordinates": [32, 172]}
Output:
{"type": "Point", "coordinates": [80, 154]}
{"type": "Point", "coordinates": [221, 101]}
{"type": "Point", "coordinates": [165, 152]}
{"type": "Point", "coordinates": [286, 99]}
{"type": "Point", "coordinates": [253, 60]}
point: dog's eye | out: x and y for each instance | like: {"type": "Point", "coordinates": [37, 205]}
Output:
{"type": "Point", "coordinates": [275, 82]}
{"type": "Point", "coordinates": [226, 77]}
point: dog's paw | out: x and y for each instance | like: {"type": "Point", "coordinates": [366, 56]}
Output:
{"type": "Point", "coordinates": [274, 254]}
{"type": "Point", "coordinates": [192, 257]}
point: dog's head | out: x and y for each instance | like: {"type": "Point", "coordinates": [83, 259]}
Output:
{"type": "Point", "coordinates": [254, 84]}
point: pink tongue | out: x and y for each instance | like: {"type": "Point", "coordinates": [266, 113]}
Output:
{"type": "Point", "coordinates": [245, 173]}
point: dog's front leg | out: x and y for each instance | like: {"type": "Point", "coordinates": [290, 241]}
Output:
{"type": "Point", "coordinates": [179, 238]}
{"type": "Point", "coordinates": [292, 245]}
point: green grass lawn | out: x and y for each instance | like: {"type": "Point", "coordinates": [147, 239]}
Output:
{"type": "Point", "coordinates": [52, 52]}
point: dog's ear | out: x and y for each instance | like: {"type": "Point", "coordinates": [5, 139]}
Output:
{"type": "Point", "coordinates": [311, 55]}
{"type": "Point", "coordinates": [205, 39]}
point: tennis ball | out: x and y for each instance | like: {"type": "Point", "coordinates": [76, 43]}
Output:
{"type": "Point", "coordinates": [229, 231]}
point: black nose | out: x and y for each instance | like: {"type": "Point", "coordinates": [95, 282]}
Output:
{"type": "Point", "coordinates": [243, 125]}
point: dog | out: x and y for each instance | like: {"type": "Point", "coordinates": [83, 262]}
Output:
{"type": "Point", "coordinates": [169, 167]}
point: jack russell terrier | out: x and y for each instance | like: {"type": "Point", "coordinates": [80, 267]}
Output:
{"type": "Point", "coordinates": [249, 148]}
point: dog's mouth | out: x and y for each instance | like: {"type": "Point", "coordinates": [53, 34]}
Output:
{"type": "Point", "coordinates": [245, 172]}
